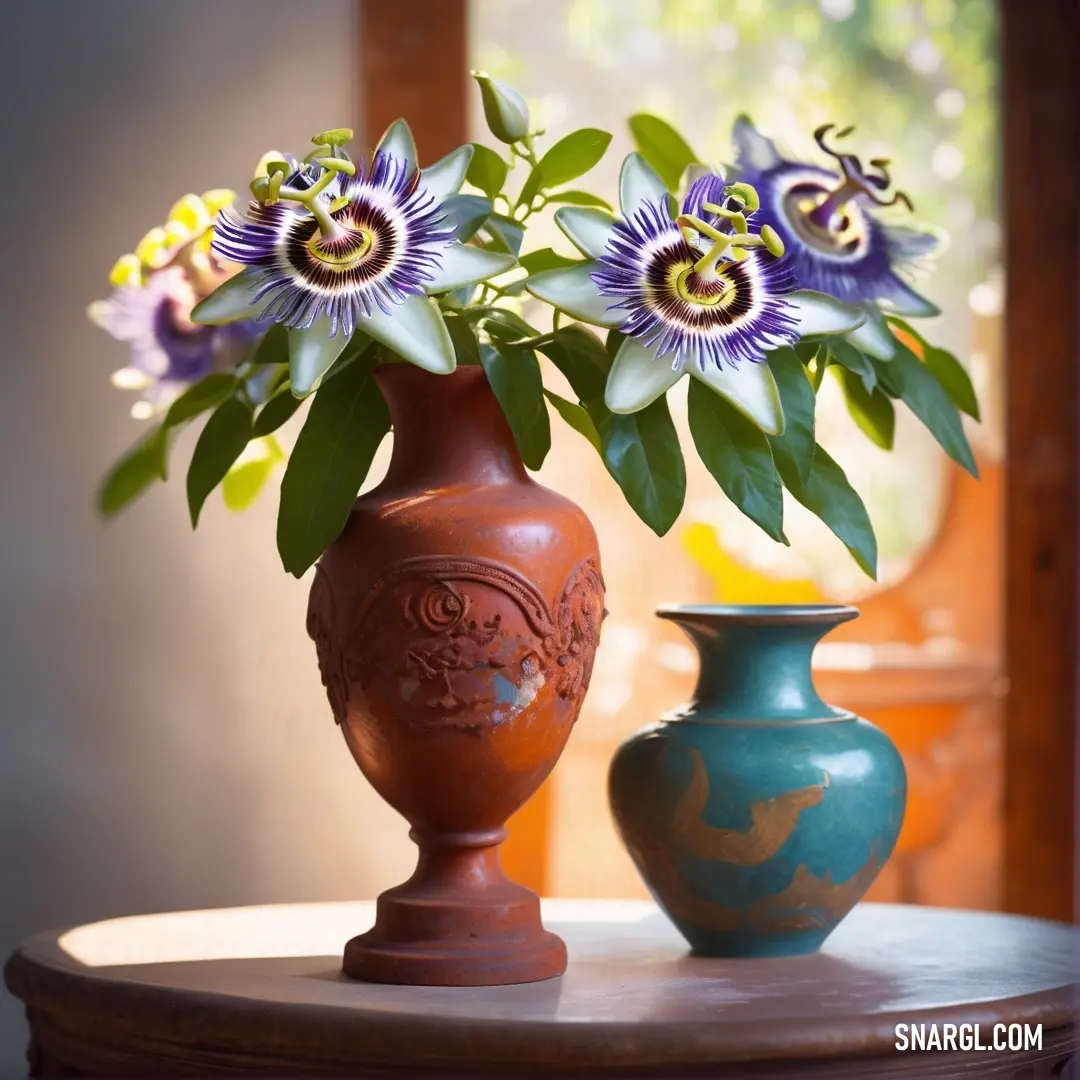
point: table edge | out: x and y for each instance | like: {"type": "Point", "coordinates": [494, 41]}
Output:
{"type": "Point", "coordinates": [82, 1003]}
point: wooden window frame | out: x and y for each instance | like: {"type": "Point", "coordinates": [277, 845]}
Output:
{"type": "Point", "coordinates": [1040, 104]}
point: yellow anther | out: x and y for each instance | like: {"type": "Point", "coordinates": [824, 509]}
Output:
{"type": "Point", "coordinates": [771, 239]}
{"type": "Point", "coordinates": [332, 137]}
{"type": "Point", "coordinates": [338, 165]}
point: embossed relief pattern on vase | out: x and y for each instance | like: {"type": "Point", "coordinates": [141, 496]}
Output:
{"type": "Point", "coordinates": [321, 621]}
{"type": "Point", "coordinates": [578, 619]}
{"type": "Point", "coordinates": [468, 643]}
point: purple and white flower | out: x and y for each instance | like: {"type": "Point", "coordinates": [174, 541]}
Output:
{"type": "Point", "coordinates": [332, 248]}
{"type": "Point", "coordinates": [168, 351]}
{"type": "Point", "coordinates": [826, 220]}
{"type": "Point", "coordinates": [700, 293]}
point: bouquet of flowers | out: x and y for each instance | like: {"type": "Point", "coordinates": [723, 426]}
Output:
{"type": "Point", "coordinates": [754, 282]}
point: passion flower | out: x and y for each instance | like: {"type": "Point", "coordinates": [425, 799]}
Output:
{"type": "Point", "coordinates": [332, 247]}
{"type": "Point", "coordinates": [155, 289]}
{"type": "Point", "coordinates": [704, 292]}
{"type": "Point", "coordinates": [827, 218]}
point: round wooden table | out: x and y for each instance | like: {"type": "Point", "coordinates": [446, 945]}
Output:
{"type": "Point", "coordinates": [258, 992]}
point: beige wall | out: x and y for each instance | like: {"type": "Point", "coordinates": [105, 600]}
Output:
{"type": "Point", "coordinates": [164, 741]}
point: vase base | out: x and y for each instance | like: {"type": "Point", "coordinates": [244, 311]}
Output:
{"type": "Point", "coordinates": [495, 938]}
{"type": "Point", "coordinates": [475, 964]}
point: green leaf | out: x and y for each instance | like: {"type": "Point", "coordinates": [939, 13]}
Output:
{"type": "Point", "coordinates": [824, 489]}
{"type": "Point", "coordinates": [797, 399]}
{"type": "Point", "coordinates": [872, 412]}
{"type": "Point", "coordinates": [736, 451]}
{"type": "Point", "coordinates": [568, 159]}
{"type": "Point", "coordinates": [207, 393]}
{"type": "Point", "coordinates": [906, 377]}
{"type": "Point", "coordinates": [464, 214]}
{"type": "Point", "coordinates": [347, 421]}
{"type": "Point", "coordinates": [830, 496]}
{"type": "Point", "coordinates": [576, 416]}
{"type": "Point", "coordinates": [506, 233]}
{"type": "Point", "coordinates": [462, 334]}
{"type": "Point", "coordinates": [487, 170]}
{"type": "Point", "coordinates": [244, 482]}
{"type": "Point", "coordinates": [947, 370]}
{"type": "Point", "coordinates": [140, 467]}
{"type": "Point", "coordinates": [816, 371]}
{"type": "Point", "coordinates": [582, 359]}
{"type": "Point", "coordinates": [544, 259]}
{"type": "Point", "coordinates": [274, 346]}
{"type": "Point", "coordinates": [662, 147]}
{"type": "Point", "coordinates": [612, 344]}
{"type": "Point", "coordinates": [578, 198]}
{"type": "Point", "coordinates": [952, 375]}
{"type": "Point", "coordinates": [275, 412]}
{"type": "Point", "coordinates": [220, 443]}
{"type": "Point", "coordinates": [500, 322]}
{"type": "Point", "coordinates": [358, 345]}
{"type": "Point", "coordinates": [847, 356]}
{"type": "Point", "coordinates": [504, 331]}
{"type": "Point", "coordinates": [641, 451]}
{"type": "Point", "coordinates": [514, 375]}
{"type": "Point", "coordinates": [312, 352]}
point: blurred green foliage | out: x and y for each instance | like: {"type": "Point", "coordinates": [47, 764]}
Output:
{"type": "Point", "coordinates": [918, 78]}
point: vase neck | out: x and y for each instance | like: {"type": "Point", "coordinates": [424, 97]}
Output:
{"type": "Point", "coordinates": [756, 661]}
{"type": "Point", "coordinates": [448, 429]}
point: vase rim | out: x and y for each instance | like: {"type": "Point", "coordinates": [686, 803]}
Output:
{"type": "Point", "coordinates": [761, 614]}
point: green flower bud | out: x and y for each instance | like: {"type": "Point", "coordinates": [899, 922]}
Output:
{"type": "Point", "coordinates": [505, 110]}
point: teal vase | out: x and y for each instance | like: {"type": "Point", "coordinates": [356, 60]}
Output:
{"type": "Point", "coordinates": [757, 815]}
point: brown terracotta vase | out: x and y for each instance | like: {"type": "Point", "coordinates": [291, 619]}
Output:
{"type": "Point", "coordinates": [455, 620]}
